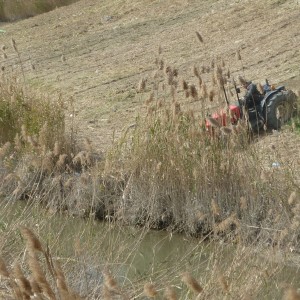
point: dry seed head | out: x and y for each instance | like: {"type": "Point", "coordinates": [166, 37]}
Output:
{"type": "Point", "coordinates": [213, 122]}
{"type": "Point", "coordinates": [225, 224]}
{"type": "Point", "coordinates": [292, 198]}
{"type": "Point", "coordinates": [56, 149]}
{"type": "Point", "coordinates": [33, 243]}
{"type": "Point", "coordinates": [149, 290]}
{"type": "Point", "coordinates": [61, 161]}
{"type": "Point", "coordinates": [109, 281]}
{"type": "Point", "coordinates": [176, 109]}
{"type": "Point", "coordinates": [88, 144]}
{"type": "Point", "coordinates": [211, 95]}
{"type": "Point", "coordinates": [215, 208]}
{"type": "Point", "coordinates": [159, 50]}
{"type": "Point", "coordinates": [60, 277]}
{"type": "Point", "coordinates": [150, 99]}
{"type": "Point", "coordinates": [228, 73]}
{"type": "Point", "coordinates": [170, 293]}
{"type": "Point", "coordinates": [224, 283]}
{"type": "Point", "coordinates": [4, 150]}
{"type": "Point", "coordinates": [193, 92]}
{"type": "Point", "coordinates": [161, 64]}
{"type": "Point", "coordinates": [3, 270]}
{"type": "Point", "coordinates": [242, 80]}
{"type": "Point", "coordinates": [204, 93]}
{"type": "Point", "coordinates": [196, 71]}
{"type": "Point", "coordinates": [39, 276]}
{"type": "Point", "coordinates": [185, 85]}
{"type": "Point", "coordinates": [226, 130]}
{"type": "Point", "coordinates": [22, 281]}
{"type": "Point", "coordinates": [13, 42]}
{"type": "Point", "coordinates": [199, 36]}
{"type": "Point", "coordinates": [191, 282]}
{"type": "Point", "coordinates": [243, 203]}
{"type": "Point", "coordinates": [200, 81]}
{"type": "Point", "coordinates": [291, 294]}
{"type": "Point", "coordinates": [238, 55]}
{"type": "Point", "coordinates": [142, 85]}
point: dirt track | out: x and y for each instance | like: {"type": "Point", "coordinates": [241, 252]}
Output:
{"type": "Point", "coordinates": [97, 51]}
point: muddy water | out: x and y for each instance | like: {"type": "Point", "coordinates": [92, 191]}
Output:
{"type": "Point", "coordinates": [86, 248]}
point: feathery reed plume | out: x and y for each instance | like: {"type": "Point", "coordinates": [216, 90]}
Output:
{"type": "Point", "coordinates": [14, 45]}
{"type": "Point", "coordinates": [213, 122]}
{"type": "Point", "coordinates": [238, 55]}
{"type": "Point", "coordinates": [224, 283]}
{"type": "Point", "coordinates": [199, 36]}
{"type": "Point", "coordinates": [242, 80]}
{"type": "Point", "coordinates": [56, 149]}
{"type": "Point", "coordinates": [150, 98]}
{"type": "Point", "coordinates": [61, 281]}
{"type": "Point", "coordinates": [170, 293]}
{"type": "Point", "coordinates": [22, 282]}
{"type": "Point", "coordinates": [5, 149]}
{"type": "Point", "coordinates": [106, 293]}
{"type": "Point", "coordinates": [191, 282]}
{"type": "Point", "coordinates": [185, 85]}
{"type": "Point", "coordinates": [3, 270]}
{"type": "Point", "coordinates": [142, 85]}
{"type": "Point", "coordinates": [211, 95]}
{"type": "Point", "coordinates": [200, 81]}
{"type": "Point", "coordinates": [243, 203]}
{"type": "Point", "coordinates": [87, 143]}
{"type": "Point", "coordinates": [110, 281]}
{"type": "Point", "coordinates": [161, 64]}
{"type": "Point", "coordinates": [291, 294]}
{"type": "Point", "coordinates": [225, 224]}
{"type": "Point", "coordinates": [204, 93]}
{"type": "Point", "coordinates": [176, 109]}
{"type": "Point", "coordinates": [17, 142]}
{"type": "Point", "coordinates": [61, 161]}
{"type": "Point", "coordinates": [39, 276]}
{"type": "Point", "coordinates": [149, 290]}
{"type": "Point", "coordinates": [193, 92]}
{"type": "Point", "coordinates": [226, 130]}
{"type": "Point", "coordinates": [160, 50]}
{"type": "Point", "coordinates": [228, 73]}
{"type": "Point", "coordinates": [292, 198]}
{"type": "Point", "coordinates": [33, 243]}
{"type": "Point", "coordinates": [196, 71]}
{"type": "Point", "coordinates": [215, 208]}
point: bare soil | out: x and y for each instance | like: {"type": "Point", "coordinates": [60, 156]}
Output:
{"type": "Point", "coordinates": [97, 51]}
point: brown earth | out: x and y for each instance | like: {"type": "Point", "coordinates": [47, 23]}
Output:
{"type": "Point", "coordinates": [97, 51]}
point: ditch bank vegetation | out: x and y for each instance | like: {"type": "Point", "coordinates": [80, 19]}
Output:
{"type": "Point", "coordinates": [165, 172]}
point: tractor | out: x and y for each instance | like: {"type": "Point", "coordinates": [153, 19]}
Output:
{"type": "Point", "coordinates": [276, 108]}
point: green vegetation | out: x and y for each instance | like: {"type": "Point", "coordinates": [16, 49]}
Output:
{"type": "Point", "coordinates": [11, 10]}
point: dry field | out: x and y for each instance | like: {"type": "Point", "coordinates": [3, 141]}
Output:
{"type": "Point", "coordinates": [97, 51]}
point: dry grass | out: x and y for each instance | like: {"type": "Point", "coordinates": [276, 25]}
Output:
{"type": "Point", "coordinates": [165, 172]}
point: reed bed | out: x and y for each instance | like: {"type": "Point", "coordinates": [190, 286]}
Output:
{"type": "Point", "coordinates": [167, 171]}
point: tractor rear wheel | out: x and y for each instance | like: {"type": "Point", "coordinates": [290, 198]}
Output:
{"type": "Point", "coordinates": [280, 108]}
